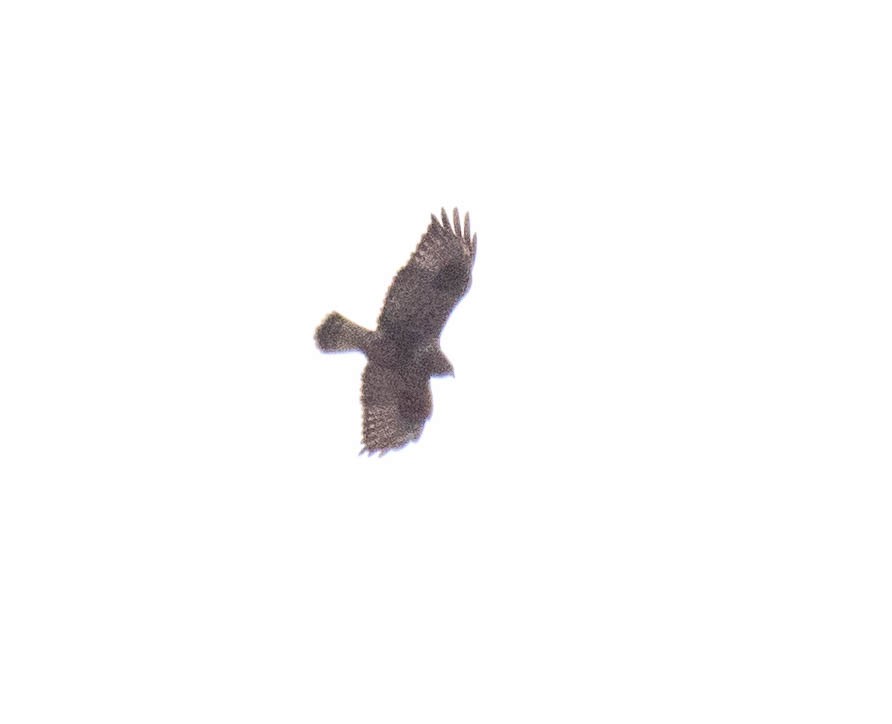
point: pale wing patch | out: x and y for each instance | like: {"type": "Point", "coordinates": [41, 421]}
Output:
{"type": "Point", "coordinates": [384, 425]}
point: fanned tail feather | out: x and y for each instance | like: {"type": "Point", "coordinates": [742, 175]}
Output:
{"type": "Point", "coordinates": [339, 334]}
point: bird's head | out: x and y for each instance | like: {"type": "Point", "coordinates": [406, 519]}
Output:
{"type": "Point", "coordinates": [438, 365]}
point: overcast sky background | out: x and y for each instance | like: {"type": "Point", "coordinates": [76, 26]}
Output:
{"type": "Point", "coordinates": [658, 488]}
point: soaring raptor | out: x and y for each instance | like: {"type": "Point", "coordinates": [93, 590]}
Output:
{"type": "Point", "coordinates": [404, 351]}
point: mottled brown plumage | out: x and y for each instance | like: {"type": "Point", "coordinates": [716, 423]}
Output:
{"type": "Point", "coordinates": [404, 351]}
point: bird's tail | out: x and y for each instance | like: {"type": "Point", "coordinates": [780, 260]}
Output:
{"type": "Point", "coordinates": [339, 334]}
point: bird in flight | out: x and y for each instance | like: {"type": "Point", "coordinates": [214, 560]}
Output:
{"type": "Point", "coordinates": [404, 351]}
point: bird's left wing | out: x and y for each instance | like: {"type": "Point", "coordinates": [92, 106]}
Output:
{"type": "Point", "coordinates": [394, 408]}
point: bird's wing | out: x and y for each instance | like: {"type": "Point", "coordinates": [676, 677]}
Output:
{"type": "Point", "coordinates": [425, 291]}
{"type": "Point", "coordinates": [394, 408]}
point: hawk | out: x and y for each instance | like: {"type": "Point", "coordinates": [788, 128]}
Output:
{"type": "Point", "coordinates": [404, 352]}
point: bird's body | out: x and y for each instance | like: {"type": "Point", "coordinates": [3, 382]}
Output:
{"type": "Point", "coordinates": [404, 351]}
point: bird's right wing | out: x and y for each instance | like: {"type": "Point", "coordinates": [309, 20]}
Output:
{"type": "Point", "coordinates": [425, 291]}
{"type": "Point", "coordinates": [394, 408]}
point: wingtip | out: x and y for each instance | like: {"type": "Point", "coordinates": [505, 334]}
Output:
{"type": "Point", "coordinates": [373, 451]}
{"type": "Point", "coordinates": [454, 226]}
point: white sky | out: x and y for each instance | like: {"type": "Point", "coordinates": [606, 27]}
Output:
{"type": "Point", "coordinates": [658, 488]}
